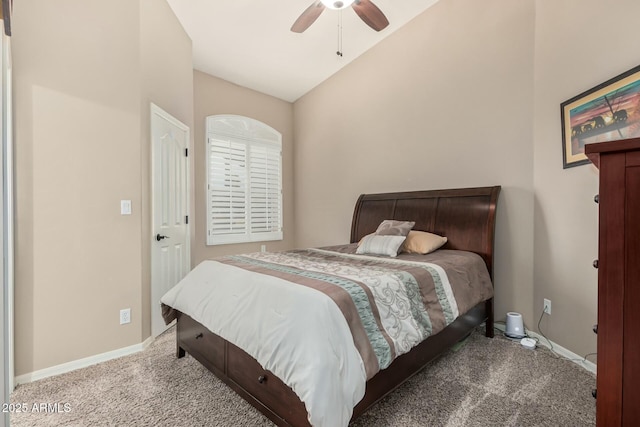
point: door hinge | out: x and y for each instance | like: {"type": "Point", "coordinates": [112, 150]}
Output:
{"type": "Point", "coordinates": [186, 219]}
{"type": "Point", "coordinates": [186, 152]}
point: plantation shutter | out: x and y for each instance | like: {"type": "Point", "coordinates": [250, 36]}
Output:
{"type": "Point", "coordinates": [244, 181]}
{"type": "Point", "coordinates": [227, 188]}
{"type": "Point", "coordinates": [265, 189]}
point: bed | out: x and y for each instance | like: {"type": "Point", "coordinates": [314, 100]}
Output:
{"type": "Point", "coordinates": [465, 216]}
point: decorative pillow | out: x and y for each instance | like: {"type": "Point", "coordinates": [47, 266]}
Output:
{"type": "Point", "coordinates": [380, 245]}
{"type": "Point", "coordinates": [391, 227]}
{"type": "Point", "coordinates": [421, 242]}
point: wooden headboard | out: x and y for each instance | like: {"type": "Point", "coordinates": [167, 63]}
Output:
{"type": "Point", "coordinates": [466, 216]}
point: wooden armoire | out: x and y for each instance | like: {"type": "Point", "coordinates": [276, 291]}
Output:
{"type": "Point", "coordinates": [618, 378]}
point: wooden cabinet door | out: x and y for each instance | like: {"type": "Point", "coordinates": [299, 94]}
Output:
{"type": "Point", "coordinates": [610, 289]}
{"type": "Point", "coordinates": [631, 335]}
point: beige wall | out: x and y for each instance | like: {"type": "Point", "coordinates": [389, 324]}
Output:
{"type": "Point", "coordinates": [167, 81]}
{"type": "Point", "coordinates": [444, 102]}
{"type": "Point", "coordinates": [80, 149]}
{"type": "Point", "coordinates": [574, 52]}
{"type": "Point", "coordinates": [215, 96]}
{"type": "Point", "coordinates": [453, 99]}
{"type": "Point", "coordinates": [470, 94]}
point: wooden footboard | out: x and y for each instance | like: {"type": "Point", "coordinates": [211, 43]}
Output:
{"type": "Point", "coordinates": [267, 393]}
{"type": "Point", "coordinates": [241, 372]}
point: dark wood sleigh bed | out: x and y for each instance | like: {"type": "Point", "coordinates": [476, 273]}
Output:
{"type": "Point", "coordinates": [465, 216]}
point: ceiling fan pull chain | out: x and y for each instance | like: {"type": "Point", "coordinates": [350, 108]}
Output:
{"type": "Point", "coordinates": [339, 52]}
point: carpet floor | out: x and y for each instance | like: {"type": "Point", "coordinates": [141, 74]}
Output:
{"type": "Point", "coordinates": [484, 382]}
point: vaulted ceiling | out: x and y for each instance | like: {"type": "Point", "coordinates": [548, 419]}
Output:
{"type": "Point", "coordinates": [249, 42]}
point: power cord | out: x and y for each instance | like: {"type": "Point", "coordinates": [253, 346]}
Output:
{"type": "Point", "coordinates": [557, 355]}
{"type": "Point", "coordinates": [545, 337]}
{"type": "Point", "coordinates": [537, 340]}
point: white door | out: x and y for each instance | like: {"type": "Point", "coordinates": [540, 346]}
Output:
{"type": "Point", "coordinates": [170, 259]}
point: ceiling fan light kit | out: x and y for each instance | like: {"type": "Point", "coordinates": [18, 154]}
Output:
{"type": "Point", "coordinates": [365, 9]}
{"type": "Point", "coordinates": [337, 4]}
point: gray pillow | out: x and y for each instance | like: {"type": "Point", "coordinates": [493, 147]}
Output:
{"type": "Point", "coordinates": [391, 227]}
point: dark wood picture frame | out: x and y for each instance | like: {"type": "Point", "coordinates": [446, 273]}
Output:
{"type": "Point", "coordinates": [607, 112]}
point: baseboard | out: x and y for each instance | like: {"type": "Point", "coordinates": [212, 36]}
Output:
{"type": "Point", "coordinates": [568, 354]}
{"type": "Point", "coordinates": [81, 363]}
{"type": "Point", "coordinates": [99, 358]}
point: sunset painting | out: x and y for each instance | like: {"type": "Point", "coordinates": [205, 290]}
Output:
{"type": "Point", "coordinates": [608, 112]}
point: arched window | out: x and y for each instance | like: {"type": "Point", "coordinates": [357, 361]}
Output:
{"type": "Point", "coordinates": [244, 180]}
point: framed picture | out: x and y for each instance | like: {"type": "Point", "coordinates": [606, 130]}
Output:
{"type": "Point", "coordinates": [608, 112]}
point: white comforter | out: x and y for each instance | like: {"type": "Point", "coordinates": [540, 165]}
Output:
{"type": "Point", "coordinates": [279, 323]}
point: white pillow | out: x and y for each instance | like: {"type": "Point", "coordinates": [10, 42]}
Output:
{"type": "Point", "coordinates": [380, 245]}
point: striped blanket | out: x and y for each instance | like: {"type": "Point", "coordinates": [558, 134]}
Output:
{"type": "Point", "coordinates": [354, 314]}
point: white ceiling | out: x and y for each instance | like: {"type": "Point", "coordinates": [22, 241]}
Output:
{"type": "Point", "coordinates": [248, 42]}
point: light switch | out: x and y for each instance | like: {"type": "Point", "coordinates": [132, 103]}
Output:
{"type": "Point", "coordinates": [125, 207]}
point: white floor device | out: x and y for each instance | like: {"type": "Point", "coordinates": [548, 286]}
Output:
{"type": "Point", "coordinates": [514, 325]}
{"type": "Point", "coordinates": [528, 343]}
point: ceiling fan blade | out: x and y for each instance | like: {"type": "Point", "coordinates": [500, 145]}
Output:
{"type": "Point", "coordinates": [370, 14]}
{"type": "Point", "coordinates": [308, 17]}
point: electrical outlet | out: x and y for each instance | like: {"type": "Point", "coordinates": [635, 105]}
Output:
{"type": "Point", "coordinates": [263, 248]}
{"type": "Point", "coordinates": [125, 207]}
{"type": "Point", "coordinates": [547, 306]}
{"type": "Point", "coordinates": [125, 316]}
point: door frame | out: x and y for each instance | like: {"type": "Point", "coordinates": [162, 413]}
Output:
{"type": "Point", "coordinates": [157, 111]}
{"type": "Point", "coordinates": [7, 215]}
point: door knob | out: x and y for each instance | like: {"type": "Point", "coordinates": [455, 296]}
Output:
{"type": "Point", "coordinates": [160, 237]}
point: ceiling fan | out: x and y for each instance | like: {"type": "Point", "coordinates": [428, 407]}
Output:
{"type": "Point", "coordinates": [366, 10]}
